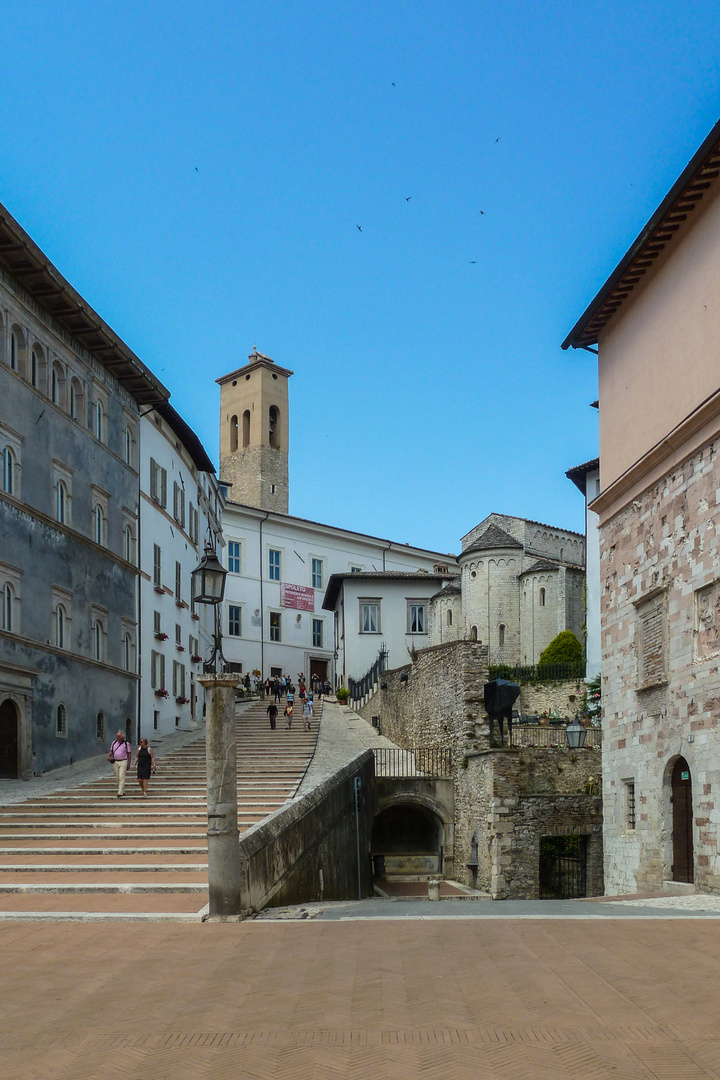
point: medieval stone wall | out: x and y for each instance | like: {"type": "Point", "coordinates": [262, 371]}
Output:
{"type": "Point", "coordinates": [660, 607]}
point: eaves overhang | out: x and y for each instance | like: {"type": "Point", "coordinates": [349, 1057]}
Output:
{"type": "Point", "coordinates": [30, 267]}
{"type": "Point", "coordinates": [676, 207]}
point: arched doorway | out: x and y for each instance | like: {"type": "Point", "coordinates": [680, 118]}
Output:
{"type": "Point", "coordinates": [682, 818]}
{"type": "Point", "coordinates": [407, 839]}
{"type": "Point", "coordinates": [9, 725]}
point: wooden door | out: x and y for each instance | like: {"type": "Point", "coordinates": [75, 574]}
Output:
{"type": "Point", "coordinates": [682, 834]}
{"type": "Point", "coordinates": [8, 741]}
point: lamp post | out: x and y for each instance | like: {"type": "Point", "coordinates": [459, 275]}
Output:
{"type": "Point", "coordinates": [576, 734]}
{"type": "Point", "coordinates": [208, 587]}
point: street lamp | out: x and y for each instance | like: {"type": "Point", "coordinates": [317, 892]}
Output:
{"type": "Point", "coordinates": [208, 587]}
{"type": "Point", "coordinates": [576, 734]}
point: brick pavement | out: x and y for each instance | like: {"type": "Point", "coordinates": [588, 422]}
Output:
{"type": "Point", "coordinates": [526, 1000]}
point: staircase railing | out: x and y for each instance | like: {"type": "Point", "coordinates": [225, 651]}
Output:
{"type": "Point", "coordinates": [361, 688]}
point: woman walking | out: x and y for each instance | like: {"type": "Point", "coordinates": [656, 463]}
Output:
{"type": "Point", "coordinates": [145, 761]}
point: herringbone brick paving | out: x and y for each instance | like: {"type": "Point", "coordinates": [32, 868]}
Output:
{"type": "Point", "coordinates": [461, 998]}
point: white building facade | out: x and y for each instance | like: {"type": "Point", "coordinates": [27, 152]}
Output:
{"type": "Point", "coordinates": [180, 509]}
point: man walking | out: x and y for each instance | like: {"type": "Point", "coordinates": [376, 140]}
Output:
{"type": "Point", "coordinates": [272, 713]}
{"type": "Point", "coordinates": [120, 752]}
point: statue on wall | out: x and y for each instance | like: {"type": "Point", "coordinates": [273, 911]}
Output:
{"type": "Point", "coordinates": [500, 696]}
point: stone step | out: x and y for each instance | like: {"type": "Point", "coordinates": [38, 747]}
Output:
{"type": "Point", "coordinates": [82, 867]}
{"type": "Point", "coordinates": [107, 887]}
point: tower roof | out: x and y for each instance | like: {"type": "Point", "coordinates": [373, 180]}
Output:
{"type": "Point", "coordinates": [493, 537]}
{"type": "Point", "coordinates": [256, 360]}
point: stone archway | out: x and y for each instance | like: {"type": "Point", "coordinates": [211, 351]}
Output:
{"type": "Point", "coordinates": [408, 839]}
{"type": "Point", "coordinates": [683, 862]}
{"type": "Point", "coordinates": [9, 740]}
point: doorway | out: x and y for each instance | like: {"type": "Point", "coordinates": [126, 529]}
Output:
{"type": "Point", "coordinates": [563, 867]}
{"type": "Point", "coordinates": [407, 840]}
{"type": "Point", "coordinates": [683, 868]}
{"type": "Point", "coordinates": [319, 668]}
{"type": "Point", "coordinates": [9, 725]}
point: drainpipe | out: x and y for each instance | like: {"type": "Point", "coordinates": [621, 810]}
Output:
{"type": "Point", "coordinates": [383, 554]}
{"type": "Point", "coordinates": [262, 608]}
{"type": "Point", "coordinates": [139, 630]}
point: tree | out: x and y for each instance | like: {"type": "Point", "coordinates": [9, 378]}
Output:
{"type": "Point", "coordinates": [563, 649]}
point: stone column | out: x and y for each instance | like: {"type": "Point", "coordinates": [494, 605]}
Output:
{"type": "Point", "coordinates": [221, 753]}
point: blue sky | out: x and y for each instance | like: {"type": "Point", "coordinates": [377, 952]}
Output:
{"type": "Point", "coordinates": [198, 172]}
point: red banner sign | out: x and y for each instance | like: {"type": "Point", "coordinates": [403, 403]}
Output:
{"type": "Point", "coordinates": [297, 596]}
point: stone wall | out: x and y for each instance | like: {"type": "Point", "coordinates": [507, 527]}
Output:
{"type": "Point", "coordinates": [563, 697]}
{"type": "Point", "coordinates": [307, 849]}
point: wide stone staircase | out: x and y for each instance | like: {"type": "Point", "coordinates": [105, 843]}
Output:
{"type": "Point", "coordinates": [84, 852]}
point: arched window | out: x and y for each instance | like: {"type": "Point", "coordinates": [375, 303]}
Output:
{"type": "Point", "coordinates": [501, 635]}
{"type": "Point", "coordinates": [542, 598]}
{"type": "Point", "coordinates": [17, 350]}
{"type": "Point", "coordinates": [77, 400]}
{"type": "Point", "coordinates": [37, 367]}
{"type": "Point", "coordinates": [61, 502]}
{"type": "Point", "coordinates": [128, 543]}
{"type": "Point", "coordinates": [8, 470]}
{"type": "Point", "coordinates": [61, 721]}
{"type": "Point", "coordinates": [57, 384]}
{"type": "Point", "coordinates": [473, 633]}
{"type": "Point", "coordinates": [127, 652]}
{"type": "Point", "coordinates": [8, 596]}
{"type": "Point", "coordinates": [127, 446]}
{"type": "Point", "coordinates": [100, 727]}
{"type": "Point", "coordinates": [274, 427]}
{"type": "Point", "coordinates": [60, 626]}
{"type": "Point", "coordinates": [246, 428]}
{"type": "Point", "coordinates": [97, 640]}
{"type": "Point", "coordinates": [449, 616]}
{"type": "Point", "coordinates": [99, 417]}
{"type": "Point", "coordinates": [233, 434]}
{"type": "Point", "coordinates": [98, 524]}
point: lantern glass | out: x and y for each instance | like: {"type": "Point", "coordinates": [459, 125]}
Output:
{"type": "Point", "coordinates": [576, 735]}
{"type": "Point", "coordinates": [209, 579]}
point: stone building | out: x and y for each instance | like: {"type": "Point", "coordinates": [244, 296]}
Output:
{"type": "Point", "coordinates": [586, 478]}
{"type": "Point", "coordinates": [656, 325]}
{"type": "Point", "coordinates": [280, 565]}
{"type": "Point", "coordinates": [70, 393]}
{"type": "Point", "coordinates": [520, 584]}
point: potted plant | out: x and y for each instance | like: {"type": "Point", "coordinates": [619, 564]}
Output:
{"type": "Point", "coordinates": [342, 694]}
{"type": "Point", "coordinates": [196, 658]}
{"type": "Point", "coordinates": [162, 692]}
{"type": "Point", "coordinates": [181, 700]}
{"type": "Point", "coordinates": [160, 636]}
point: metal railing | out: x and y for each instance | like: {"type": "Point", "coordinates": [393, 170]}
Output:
{"type": "Point", "coordinates": [554, 735]}
{"type": "Point", "coordinates": [360, 688]}
{"type": "Point", "coordinates": [420, 761]}
{"type": "Point", "coordinates": [538, 672]}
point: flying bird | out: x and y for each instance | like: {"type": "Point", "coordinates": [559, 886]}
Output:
{"type": "Point", "coordinates": [408, 198]}
{"type": "Point", "coordinates": [392, 84]}
{"type": "Point", "coordinates": [483, 213]}
{"type": "Point", "coordinates": [473, 262]}
{"type": "Point", "coordinates": [196, 169]}
{"type": "Point", "coordinates": [498, 139]}
{"type": "Point", "coordinates": [359, 228]}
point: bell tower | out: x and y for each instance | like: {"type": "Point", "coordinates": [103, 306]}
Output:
{"type": "Point", "coordinates": [254, 433]}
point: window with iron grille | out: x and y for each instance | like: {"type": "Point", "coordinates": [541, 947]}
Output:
{"type": "Point", "coordinates": [629, 804]}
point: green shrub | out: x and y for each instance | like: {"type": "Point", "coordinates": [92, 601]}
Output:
{"type": "Point", "coordinates": [563, 649]}
{"type": "Point", "coordinates": [342, 693]}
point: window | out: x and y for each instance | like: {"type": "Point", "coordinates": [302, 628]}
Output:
{"type": "Point", "coordinates": [234, 621]}
{"type": "Point", "coordinates": [61, 600]}
{"type": "Point", "coordinates": [317, 633]}
{"type": "Point", "coordinates": [8, 602]}
{"type": "Point", "coordinates": [179, 505]}
{"type": "Point", "coordinates": [246, 429]}
{"type": "Point", "coordinates": [416, 618]}
{"type": "Point", "coordinates": [61, 499]}
{"type": "Point", "coordinates": [98, 639]}
{"type": "Point", "coordinates": [9, 466]}
{"type": "Point", "coordinates": [128, 544]}
{"type": "Point", "coordinates": [317, 573]}
{"type": "Point", "coordinates": [178, 679]}
{"type": "Point", "coordinates": [61, 626]}
{"type": "Point", "coordinates": [501, 635]}
{"type": "Point", "coordinates": [77, 399]}
{"type": "Point", "coordinates": [157, 625]}
{"type": "Point", "coordinates": [275, 626]}
{"type": "Point", "coordinates": [128, 657]}
{"type": "Point", "coordinates": [18, 350]}
{"type": "Point", "coordinates": [234, 557]}
{"type": "Point", "coordinates": [156, 719]}
{"type": "Point", "coordinates": [99, 420]}
{"type": "Point", "coordinates": [37, 368]}
{"type": "Point", "coordinates": [127, 446]}
{"type": "Point", "coordinates": [178, 634]}
{"type": "Point", "coordinates": [274, 565]}
{"type": "Point", "coordinates": [193, 524]}
{"type": "Point", "coordinates": [157, 670]}
{"type": "Point", "coordinates": [61, 722]}
{"type": "Point", "coordinates": [629, 803]}
{"type": "Point", "coordinates": [178, 583]}
{"type": "Point", "coordinates": [274, 427]}
{"type": "Point", "coordinates": [356, 569]}
{"type": "Point", "coordinates": [369, 616]}
{"type": "Point", "coordinates": [98, 524]}
{"type": "Point", "coordinates": [542, 598]}
{"type": "Point", "coordinates": [449, 617]}
{"type": "Point", "coordinates": [233, 434]}
{"type": "Point", "coordinates": [100, 727]}
{"type": "Point", "coordinates": [158, 483]}
{"type": "Point", "coordinates": [157, 566]}
{"type": "Point", "coordinates": [651, 642]}
{"type": "Point", "coordinates": [57, 384]}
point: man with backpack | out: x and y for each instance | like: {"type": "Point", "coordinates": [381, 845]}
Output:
{"type": "Point", "coordinates": [120, 754]}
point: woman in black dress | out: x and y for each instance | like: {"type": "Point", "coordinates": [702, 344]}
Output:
{"type": "Point", "coordinates": [145, 761]}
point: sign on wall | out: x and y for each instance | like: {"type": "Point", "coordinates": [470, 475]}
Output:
{"type": "Point", "coordinates": [297, 596]}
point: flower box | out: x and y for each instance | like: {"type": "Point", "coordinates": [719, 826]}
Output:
{"type": "Point", "coordinates": [162, 693]}
{"type": "Point", "coordinates": [182, 700]}
{"type": "Point", "coordinates": [180, 648]}
{"type": "Point", "coordinates": [196, 658]}
{"type": "Point", "coordinates": [160, 636]}
{"type": "Point", "coordinates": [195, 616]}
